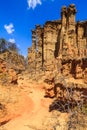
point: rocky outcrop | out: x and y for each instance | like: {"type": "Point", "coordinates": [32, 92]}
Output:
{"type": "Point", "coordinates": [7, 73]}
{"type": "Point", "coordinates": [13, 59]}
{"type": "Point", "coordinates": [13, 77]}
{"type": "Point", "coordinates": [11, 63]}
{"type": "Point", "coordinates": [60, 45]}
{"type": "Point", "coordinates": [58, 57]}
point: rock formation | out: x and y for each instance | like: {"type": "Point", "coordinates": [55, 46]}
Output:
{"type": "Point", "coordinates": [59, 52]}
{"type": "Point", "coordinates": [11, 64]}
{"type": "Point", "coordinates": [7, 75]}
{"type": "Point", "coordinates": [60, 44]}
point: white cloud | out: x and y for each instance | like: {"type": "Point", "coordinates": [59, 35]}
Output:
{"type": "Point", "coordinates": [12, 40]}
{"type": "Point", "coordinates": [33, 3]}
{"type": "Point", "coordinates": [9, 28]}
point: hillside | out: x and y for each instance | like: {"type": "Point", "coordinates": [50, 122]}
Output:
{"type": "Point", "coordinates": [11, 63]}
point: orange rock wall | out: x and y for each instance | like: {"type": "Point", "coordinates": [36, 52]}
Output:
{"type": "Point", "coordinates": [63, 38]}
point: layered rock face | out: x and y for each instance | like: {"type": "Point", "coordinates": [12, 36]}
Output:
{"type": "Point", "coordinates": [11, 64]}
{"type": "Point", "coordinates": [61, 45]}
{"type": "Point", "coordinates": [7, 75]}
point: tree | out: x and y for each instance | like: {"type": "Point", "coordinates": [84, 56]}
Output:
{"type": "Point", "coordinates": [12, 47]}
{"type": "Point", "coordinates": [3, 45]}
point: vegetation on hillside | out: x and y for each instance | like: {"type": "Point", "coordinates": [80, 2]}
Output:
{"type": "Point", "coordinates": [5, 45]}
{"type": "Point", "coordinates": [10, 53]}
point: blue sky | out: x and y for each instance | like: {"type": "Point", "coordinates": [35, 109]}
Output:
{"type": "Point", "coordinates": [18, 17]}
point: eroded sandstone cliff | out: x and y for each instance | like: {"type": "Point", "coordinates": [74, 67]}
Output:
{"type": "Point", "coordinates": [61, 45]}
{"type": "Point", "coordinates": [58, 56]}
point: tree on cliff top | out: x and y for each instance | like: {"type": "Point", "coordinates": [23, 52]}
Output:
{"type": "Point", "coordinates": [3, 45]}
{"type": "Point", "coordinates": [7, 46]}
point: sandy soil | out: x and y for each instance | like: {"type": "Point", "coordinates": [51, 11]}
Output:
{"type": "Point", "coordinates": [26, 108]}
